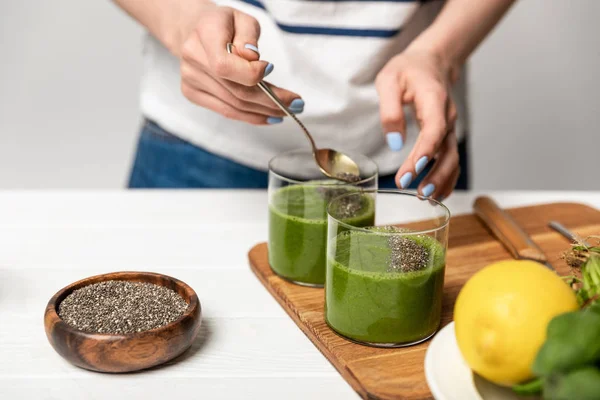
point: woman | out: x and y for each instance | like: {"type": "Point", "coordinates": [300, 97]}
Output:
{"type": "Point", "coordinates": [353, 68]}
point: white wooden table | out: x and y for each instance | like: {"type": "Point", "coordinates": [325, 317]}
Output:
{"type": "Point", "coordinates": [248, 347]}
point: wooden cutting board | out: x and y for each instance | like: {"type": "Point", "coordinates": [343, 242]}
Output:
{"type": "Point", "coordinates": [398, 373]}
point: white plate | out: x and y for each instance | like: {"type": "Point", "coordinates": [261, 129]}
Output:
{"type": "Point", "coordinates": [449, 377]}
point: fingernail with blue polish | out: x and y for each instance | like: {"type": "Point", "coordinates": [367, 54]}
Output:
{"type": "Point", "coordinates": [428, 190]}
{"type": "Point", "coordinates": [274, 120]}
{"type": "Point", "coordinates": [421, 164]}
{"type": "Point", "coordinates": [297, 106]}
{"type": "Point", "coordinates": [394, 141]}
{"type": "Point", "coordinates": [252, 47]}
{"type": "Point", "coordinates": [405, 180]}
{"type": "Point", "coordinates": [269, 69]}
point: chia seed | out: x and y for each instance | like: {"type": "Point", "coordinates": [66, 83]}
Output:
{"type": "Point", "coordinates": [121, 307]}
{"type": "Point", "coordinates": [348, 177]}
{"type": "Point", "coordinates": [330, 192]}
{"type": "Point", "coordinates": [406, 254]}
{"type": "Point", "coordinates": [348, 206]}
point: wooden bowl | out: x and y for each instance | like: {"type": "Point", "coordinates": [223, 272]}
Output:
{"type": "Point", "coordinates": [129, 352]}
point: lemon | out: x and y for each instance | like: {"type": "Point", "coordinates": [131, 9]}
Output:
{"type": "Point", "coordinates": [501, 315]}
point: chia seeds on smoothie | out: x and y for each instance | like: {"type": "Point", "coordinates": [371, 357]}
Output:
{"type": "Point", "coordinates": [347, 207]}
{"type": "Point", "coordinates": [406, 255]}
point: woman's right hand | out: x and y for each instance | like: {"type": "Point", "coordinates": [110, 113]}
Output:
{"type": "Point", "coordinates": [226, 83]}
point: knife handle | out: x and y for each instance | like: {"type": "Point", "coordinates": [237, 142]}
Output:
{"type": "Point", "coordinates": [505, 228]}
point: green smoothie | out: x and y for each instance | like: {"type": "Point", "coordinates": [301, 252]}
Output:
{"type": "Point", "coordinates": [298, 229]}
{"type": "Point", "coordinates": [369, 302]}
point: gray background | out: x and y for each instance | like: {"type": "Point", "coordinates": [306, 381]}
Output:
{"type": "Point", "coordinates": [69, 72]}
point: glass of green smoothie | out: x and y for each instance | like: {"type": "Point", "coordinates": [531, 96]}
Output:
{"type": "Point", "coordinates": [298, 198]}
{"type": "Point", "coordinates": [384, 283]}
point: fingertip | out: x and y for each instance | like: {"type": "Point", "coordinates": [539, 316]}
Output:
{"type": "Point", "coordinates": [394, 140]}
{"type": "Point", "coordinates": [246, 49]}
{"type": "Point", "coordinates": [268, 69]}
{"type": "Point", "coordinates": [405, 180]}
{"type": "Point", "coordinates": [428, 189]}
{"type": "Point", "coordinates": [421, 164]}
{"type": "Point", "coordinates": [252, 47]}
{"type": "Point", "coordinates": [297, 106]}
{"type": "Point", "coordinates": [250, 52]}
{"type": "Point", "coordinates": [274, 120]}
{"type": "Point", "coordinates": [259, 70]}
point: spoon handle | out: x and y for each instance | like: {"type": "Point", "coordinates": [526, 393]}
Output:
{"type": "Point", "coordinates": [290, 114]}
{"type": "Point", "coordinates": [280, 104]}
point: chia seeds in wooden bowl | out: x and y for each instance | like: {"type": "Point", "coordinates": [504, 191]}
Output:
{"type": "Point", "coordinates": [121, 307]}
{"type": "Point", "coordinates": [123, 321]}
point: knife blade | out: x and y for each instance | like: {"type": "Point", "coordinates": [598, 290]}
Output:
{"type": "Point", "coordinates": [573, 237]}
{"type": "Point", "coordinates": [508, 232]}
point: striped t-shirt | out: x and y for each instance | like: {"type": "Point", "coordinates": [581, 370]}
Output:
{"type": "Point", "coordinates": [329, 52]}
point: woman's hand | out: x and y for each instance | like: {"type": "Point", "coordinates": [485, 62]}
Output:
{"type": "Point", "coordinates": [226, 83]}
{"type": "Point", "coordinates": [419, 77]}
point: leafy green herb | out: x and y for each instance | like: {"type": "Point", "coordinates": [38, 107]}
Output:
{"type": "Point", "coordinates": [579, 384]}
{"type": "Point", "coordinates": [594, 307]}
{"type": "Point", "coordinates": [573, 341]}
{"type": "Point", "coordinates": [530, 388]}
{"type": "Point", "coordinates": [587, 259]}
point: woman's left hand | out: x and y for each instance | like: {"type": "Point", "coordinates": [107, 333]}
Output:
{"type": "Point", "coordinates": [421, 78]}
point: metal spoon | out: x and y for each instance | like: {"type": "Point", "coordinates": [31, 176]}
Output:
{"type": "Point", "coordinates": [332, 163]}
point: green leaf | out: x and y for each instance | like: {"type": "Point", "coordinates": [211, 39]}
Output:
{"type": "Point", "coordinates": [530, 388]}
{"type": "Point", "coordinates": [590, 272]}
{"type": "Point", "coordinates": [580, 384]}
{"type": "Point", "coordinates": [573, 341]}
{"type": "Point", "coordinates": [582, 297]}
{"type": "Point", "coordinates": [595, 308]}
{"type": "Point", "coordinates": [580, 247]}
{"type": "Point", "coordinates": [594, 259]}
{"type": "Point", "coordinates": [592, 268]}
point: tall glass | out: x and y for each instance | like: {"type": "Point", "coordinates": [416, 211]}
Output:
{"type": "Point", "coordinates": [298, 198]}
{"type": "Point", "coordinates": [384, 284]}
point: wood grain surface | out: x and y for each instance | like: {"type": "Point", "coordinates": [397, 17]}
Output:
{"type": "Point", "coordinates": [127, 352]}
{"type": "Point", "coordinates": [376, 373]}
